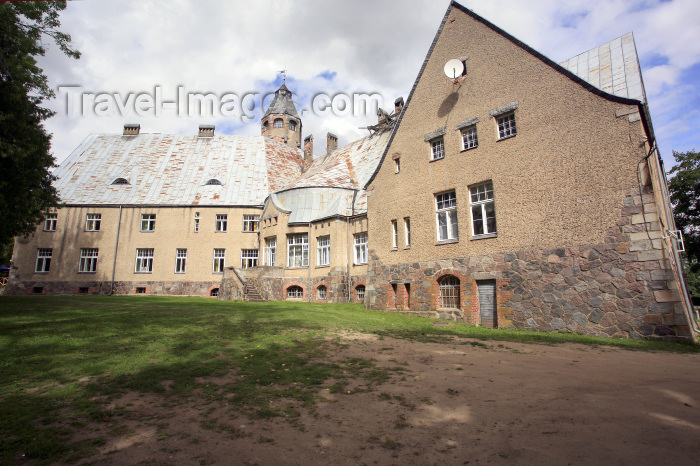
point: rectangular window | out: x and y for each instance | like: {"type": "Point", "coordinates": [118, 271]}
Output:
{"type": "Point", "coordinates": [506, 126]}
{"type": "Point", "coordinates": [43, 259]}
{"type": "Point", "coordinates": [88, 260]}
{"type": "Point", "coordinates": [196, 225]}
{"type": "Point", "coordinates": [270, 251]}
{"type": "Point", "coordinates": [397, 163]}
{"type": "Point", "coordinates": [251, 223]}
{"type": "Point", "coordinates": [394, 234]}
{"type": "Point", "coordinates": [407, 230]}
{"type": "Point", "coordinates": [50, 222]}
{"type": "Point", "coordinates": [361, 248]}
{"type": "Point", "coordinates": [93, 222]}
{"type": "Point", "coordinates": [144, 261]}
{"type": "Point", "coordinates": [437, 148]}
{"type": "Point", "coordinates": [446, 216]}
{"type": "Point", "coordinates": [298, 250]}
{"type": "Point", "coordinates": [148, 222]}
{"type": "Point", "coordinates": [483, 209]}
{"type": "Point", "coordinates": [249, 258]}
{"type": "Point", "coordinates": [180, 260]}
{"type": "Point", "coordinates": [219, 261]}
{"type": "Point", "coordinates": [221, 222]}
{"type": "Point", "coordinates": [323, 251]}
{"type": "Point", "coordinates": [469, 140]}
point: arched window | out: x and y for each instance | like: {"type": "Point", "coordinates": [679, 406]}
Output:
{"type": "Point", "coordinates": [279, 123]}
{"type": "Point", "coordinates": [266, 125]}
{"type": "Point", "coordinates": [120, 181]}
{"type": "Point", "coordinates": [321, 293]}
{"type": "Point", "coordinates": [360, 292]}
{"type": "Point", "coordinates": [292, 125]}
{"type": "Point", "coordinates": [295, 292]}
{"type": "Point", "coordinates": [213, 182]}
{"type": "Point", "coordinates": [449, 292]}
{"type": "Point", "coordinates": [214, 292]}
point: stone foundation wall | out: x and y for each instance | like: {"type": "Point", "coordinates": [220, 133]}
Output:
{"type": "Point", "coordinates": [622, 287]}
{"type": "Point", "coordinates": [120, 288]}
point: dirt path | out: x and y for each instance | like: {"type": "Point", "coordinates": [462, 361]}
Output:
{"type": "Point", "coordinates": [453, 404]}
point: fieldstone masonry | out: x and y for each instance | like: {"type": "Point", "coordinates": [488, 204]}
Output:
{"type": "Point", "coordinates": [622, 287]}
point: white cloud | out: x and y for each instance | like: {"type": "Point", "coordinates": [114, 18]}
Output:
{"type": "Point", "coordinates": [373, 46]}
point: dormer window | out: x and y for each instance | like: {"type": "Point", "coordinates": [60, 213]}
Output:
{"type": "Point", "coordinates": [120, 181]}
{"type": "Point", "coordinates": [292, 125]}
{"type": "Point", "coordinates": [279, 123]}
{"type": "Point", "coordinates": [213, 182]}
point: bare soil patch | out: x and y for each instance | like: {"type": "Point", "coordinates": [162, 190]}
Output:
{"type": "Point", "coordinates": [457, 402]}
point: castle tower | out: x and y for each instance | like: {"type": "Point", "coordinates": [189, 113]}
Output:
{"type": "Point", "coordinates": [281, 120]}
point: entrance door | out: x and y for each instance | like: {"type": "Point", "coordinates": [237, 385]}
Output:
{"type": "Point", "coordinates": [487, 303]}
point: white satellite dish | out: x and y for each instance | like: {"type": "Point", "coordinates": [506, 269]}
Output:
{"type": "Point", "coordinates": [454, 68]}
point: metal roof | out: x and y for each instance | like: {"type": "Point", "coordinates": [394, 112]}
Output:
{"type": "Point", "coordinates": [171, 169]}
{"type": "Point", "coordinates": [612, 67]}
{"type": "Point", "coordinates": [282, 103]}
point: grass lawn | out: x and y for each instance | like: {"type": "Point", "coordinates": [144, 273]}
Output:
{"type": "Point", "coordinates": [64, 358]}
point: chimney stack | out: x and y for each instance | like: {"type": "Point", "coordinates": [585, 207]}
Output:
{"type": "Point", "coordinates": [331, 143]}
{"type": "Point", "coordinates": [382, 118]}
{"type": "Point", "coordinates": [308, 149]}
{"type": "Point", "coordinates": [206, 131]}
{"type": "Point", "coordinates": [398, 106]}
{"type": "Point", "coordinates": [131, 129]}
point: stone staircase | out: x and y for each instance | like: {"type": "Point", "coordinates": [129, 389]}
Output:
{"type": "Point", "coordinates": [251, 293]}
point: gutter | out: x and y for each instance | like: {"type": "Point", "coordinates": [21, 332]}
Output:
{"type": "Point", "coordinates": [116, 245]}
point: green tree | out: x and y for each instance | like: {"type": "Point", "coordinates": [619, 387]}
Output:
{"type": "Point", "coordinates": [26, 192]}
{"type": "Point", "coordinates": [685, 196]}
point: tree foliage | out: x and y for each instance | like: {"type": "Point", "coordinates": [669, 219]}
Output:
{"type": "Point", "coordinates": [684, 188]}
{"type": "Point", "coordinates": [26, 192]}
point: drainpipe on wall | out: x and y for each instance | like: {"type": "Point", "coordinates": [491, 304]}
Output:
{"type": "Point", "coordinates": [116, 244]}
{"type": "Point", "coordinates": [347, 222]}
{"type": "Point", "coordinates": [309, 266]}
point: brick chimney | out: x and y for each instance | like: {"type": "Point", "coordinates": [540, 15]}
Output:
{"type": "Point", "coordinates": [398, 106]}
{"type": "Point", "coordinates": [206, 131]}
{"type": "Point", "coordinates": [131, 129]}
{"type": "Point", "coordinates": [308, 149]}
{"type": "Point", "coordinates": [331, 143]}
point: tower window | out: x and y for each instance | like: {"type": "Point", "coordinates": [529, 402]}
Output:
{"type": "Point", "coordinates": [266, 125]}
{"type": "Point", "coordinates": [292, 125]}
{"type": "Point", "coordinates": [279, 123]}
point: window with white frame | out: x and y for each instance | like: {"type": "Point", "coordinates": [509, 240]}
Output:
{"type": "Point", "coordinates": [249, 258]}
{"type": "Point", "coordinates": [446, 216]}
{"type": "Point", "coordinates": [219, 261]}
{"type": "Point", "coordinates": [148, 222]}
{"type": "Point", "coordinates": [92, 223]}
{"type": "Point", "coordinates": [295, 292]}
{"type": "Point", "coordinates": [180, 260]}
{"type": "Point", "coordinates": [298, 250]}
{"type": "Point", "coordinates": [251, 223]}
{"type": "Point", "coordinates": [144, 261]}
{"type": "Point", "coordinates": [321, 293]}
{"type": "Point", "coordinates": [360, 292]}
{"type": "Point", "coordinates": [50, 222]}
{"type": "Point", "coordinates": [88, 260]}
{"type": "Point", "coordinates": [483, 209]}
{"type": "Point", "coordinates": [394, 234]}
{"type": "Point", "coordinates": [437, 149]}
{"type": "Point", "coordinates": [407, 230]}
{"type": "Point", "coordinates": [196, 225]}
{"type": "Point", "coordinates": [278, 123]}
{"type": "Point", "coordinates": [506, 126]}
{"type": "Point", "coordinates": [449, 292]}
{"type": "Point", "coordinates": [469, 140]}
{"type": "Point", "coordinates": [43, 259]}
{"type": "Point", "coordinates": [292, 125]}
{"type": "Point", "coordinates": [221, 222]}
{"type": "Point", "coordinates": [270, 251]}
{"type": "Point", "coordinates": [360, 248]}
{"type": "Point", "coordinates": [323, 250]}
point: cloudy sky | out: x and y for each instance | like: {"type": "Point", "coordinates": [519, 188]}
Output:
{"type": "Point", "coordinates": [237, 48]}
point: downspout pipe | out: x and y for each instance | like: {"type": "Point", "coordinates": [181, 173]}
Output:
{"type": "Point", "coordinates": [308, 265]}
{"type": "Point", "coordinates": [116, 245]}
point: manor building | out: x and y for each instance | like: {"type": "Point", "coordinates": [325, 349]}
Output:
{"type": "Point", "coordinates": [517, 192]}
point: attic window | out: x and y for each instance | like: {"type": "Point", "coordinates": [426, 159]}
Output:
{"type": "Point", "coordinates": [213, 182]}
{"type": "Point", "coordinates": [120, 181]}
